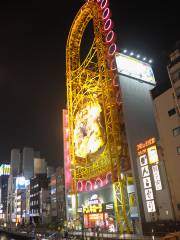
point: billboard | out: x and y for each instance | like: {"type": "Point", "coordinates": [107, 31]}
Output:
{"type": "Point", "coordinates": [134, 68]}
{"type": "Point", "coordinates": [5, 169]}
{"type": "Point", "coordinates": [21, 183]}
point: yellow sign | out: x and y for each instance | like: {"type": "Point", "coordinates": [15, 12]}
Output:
{"type": "Point", "coordinates": [92, 208]}
{"type": "Point", "coordinates": [152, 154]}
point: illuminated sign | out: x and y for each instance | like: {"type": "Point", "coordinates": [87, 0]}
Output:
{"type": "Point", "coordinates": [134, 68]}
{"type": "Point", "coordinates": [151, 206]}
{"type": "Point", "coordinates": [21, 183]}
{"type": "Point", "coordinates": [146, 153]}
{"type": "Point", "coordinates": [147, 182]}
{"type": "Point", "coordinates": [5, 169]}
{"type": "Point", "coordinates": [96, 208]}
{"type": "Point", "coordinates": [157, 179]}
{"type": "Point", "coordinates": [145, 171]}
{"type": "Point", "coordinates": [149, 194]}
{"type": "Point", "coordinates": [141, 147]}
{"type": "Point", "coordinates": [143, 160]}
{"type": "Point", "coordinates": [152, 154]}
{"type": "Point", "coordinates": [88, 131]}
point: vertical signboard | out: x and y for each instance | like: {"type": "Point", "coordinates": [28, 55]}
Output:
{"type": "Point", "coordinates": [148, 161]}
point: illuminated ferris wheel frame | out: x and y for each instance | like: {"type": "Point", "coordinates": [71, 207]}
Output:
{"type": "Point", "coordinates": [96, 78]}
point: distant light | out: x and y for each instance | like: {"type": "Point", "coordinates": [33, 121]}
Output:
{"type": "Point", "coordinates": [138, 56]}
{"type": "Point", "coordinates": [131, 53]}
{"type": "Point", "coordinates": [125, 51]}
{"type": "Point", "coordinates": [144, 59]}
{"type": "Point", "coordinates": [150, 61]}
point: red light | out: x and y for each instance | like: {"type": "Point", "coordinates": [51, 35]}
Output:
{"type": "Point", "coordinates": [104, 4]}
{"type": "Point", "coordinates": [106, 13]}
{"type": "Point", "coordinates": [110, 36]}
{"type": "Point", "coordinates": [108, 25]}
{"type": "Point", "coordinates": [113, 65]}
{"type": "Point", "coordinates": [112, 49]}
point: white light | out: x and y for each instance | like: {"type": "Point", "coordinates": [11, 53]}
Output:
{"type": "Point", "coordinates": [144, 59]}
{"type": "Point", "coordinates": [138, 56]}
{"type": "Point", "coordinates": [124, 51]}
{"type": "Point", "coordinates": [131, 53]}
{"type": "Point", "coordinates": [150, 61]}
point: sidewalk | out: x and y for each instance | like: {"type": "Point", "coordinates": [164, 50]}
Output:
{"type": "Point", "coordinates": [113, 236]}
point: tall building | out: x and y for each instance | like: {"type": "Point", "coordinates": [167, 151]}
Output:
{"type": "Point", "coordinates": [137, 80]}
{"type": "Point", "coordinates": [4, 175]}
{"type": "Point", "coordinates": [166, 107]}
{"type": "Point", "coordinates": [146, 193]}
{"type": "Point", "coordinates": [174, 75]}
{"type": "Point", "coordinates": [38, 187]}
{"type": "Point", "coordinates": [40, 166]}
{"type": "Point", "coordinates": [28, 155]}
{"type": "Point", "coordinates": [57, 196]}
{"type": "Point", "coordinates": [15, 162]}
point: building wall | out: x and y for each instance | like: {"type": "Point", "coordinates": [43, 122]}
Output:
{"type": "Point", "coordinates": [28, 162]}
{"type": "Point", "coordinates": [140, 126]}
{"type": "Point", "coordinates": [40, 166]}
{"type": "Point", "coordinates": [165, 123]}
{"type": "Point", "coordinates": [15, 162]}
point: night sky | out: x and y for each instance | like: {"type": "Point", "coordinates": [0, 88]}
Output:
{"type": "Point", "coordinates": [32, 63]}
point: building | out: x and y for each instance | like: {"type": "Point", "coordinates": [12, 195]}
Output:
{"type": "Point", "coordinates": [137, 80]}
{"type": "Point", "coordinates": [28, 162]}
{"type": "Point", "coordinates": [147, 203]}
{"type": "Point", "coordinates": [15, 162]}
{"type": "Point", "coordinates": [166, 108]}
{"type": "Point", "coordinates": [174, 75]}
{"type": "Point", "coordinates": [4, 175]}
{"type": "Point", "coordinates": [40, 166]}
{"type": "Point", "coordinates": [57, 196]}
{"type": "Point", "coordinates": [38, 185]}
{"type": "Point", "coordinates": [114, 174]}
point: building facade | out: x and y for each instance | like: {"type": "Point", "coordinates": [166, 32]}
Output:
{"type": "Point", "coordinates": [37, 183]}
{"type": "Point", "coordinates": [166, 108]}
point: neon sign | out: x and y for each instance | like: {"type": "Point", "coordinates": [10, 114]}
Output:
{"type": "Point", "coordinates": [5, 169]}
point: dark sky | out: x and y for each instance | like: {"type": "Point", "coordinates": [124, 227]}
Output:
{"type": "Point", "coordinates": [32, 63]}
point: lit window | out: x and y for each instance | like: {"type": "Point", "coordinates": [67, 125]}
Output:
{"type": "Point", "coordinates": [176, 131]}
{"type": "Point", "coordinates": [178, 150]}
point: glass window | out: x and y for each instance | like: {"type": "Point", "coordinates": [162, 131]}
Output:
{"type": "Point", "coordinates": [178, 150]}
{"type": "Point", "coordinates": [177, 90]}
{"type": "Point", "coordinates": [171, 112]}
{"type": "Point", "coordinates": [176, 131]}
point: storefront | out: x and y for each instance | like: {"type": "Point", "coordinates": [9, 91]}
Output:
{"type": "Point", "coordinates": [97, 209]}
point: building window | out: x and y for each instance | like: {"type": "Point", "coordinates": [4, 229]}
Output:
{"type": "Point", "coordinates": [171, 112]}
{"type": "Point", "coordinates": [178, 150]}
{"type": "Point", "coordinates": [177, 90]}
{"type": "Point", "coordinates": [176, 131]}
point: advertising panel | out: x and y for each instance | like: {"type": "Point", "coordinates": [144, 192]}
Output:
{"type": "Point", "coordinates": [157, 179]}
{"type": "Point", "coordinates": [135, 68]}
{"type": "Point", "coordinates": [21, 183]}
{"type": "Point", "coordinates": [152, 154]}
{"type": "Point", "coordinates": [5, 169]}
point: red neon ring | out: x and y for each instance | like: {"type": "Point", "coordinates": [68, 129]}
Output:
{"type": "Point", "coordinates": [110, 36]}
{"type": "Point", "coordinates": [104, 4]}
{"type": "Point", "coordinates": [112, 49]}
{"type": "Point", "coordinates": [108, 25]}
{"type": "Point", "coordinates": [81, 186]}
{"type": "Point", "coordinates": [90, 185]}
{"type": "Point", "coordinates": [113, 65]}
{"type": "Point", "coordinates": [98, 1]}
{"type": "Point", "coordinates": [106, 13]}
